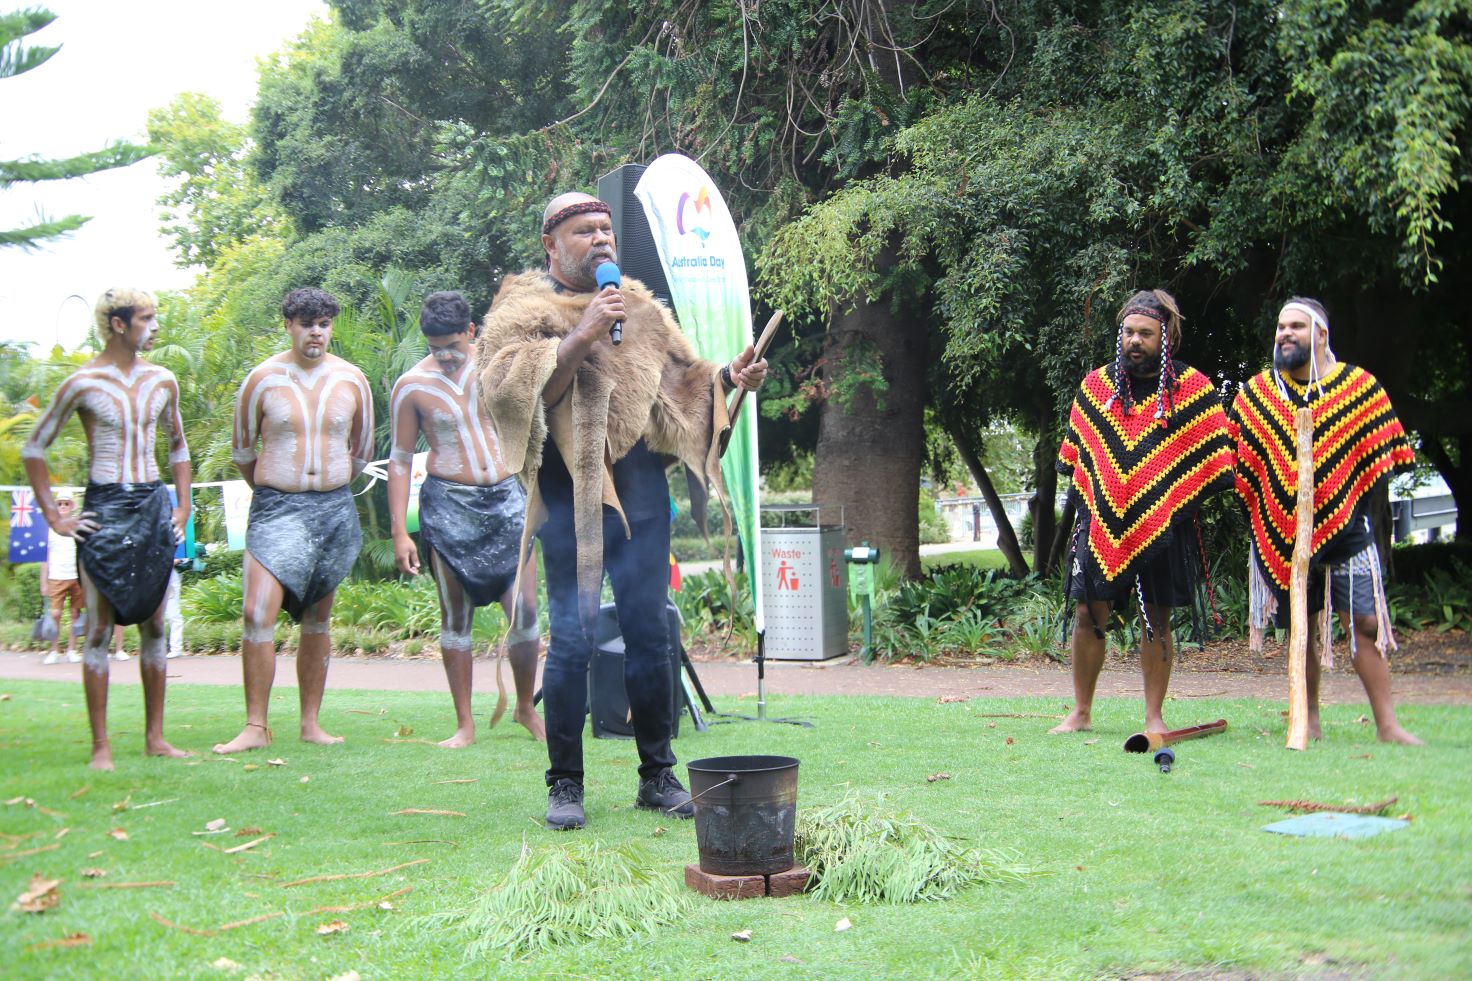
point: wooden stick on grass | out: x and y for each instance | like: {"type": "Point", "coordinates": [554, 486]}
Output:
{"type": "Point", "coordinates": [29, 851]}
{"type": "Point", "coordinates": [352, 875]}
{"type": "Point", "coordinates": [1313, 805]}
{"type": "Point", "coordinates": [249, 844]}
{"type": "Point", "coordinates": [127, 885]}
{"type": "Point", "coordinates": [1298, 586]}
{"type": "Point", "coordinates": [421, 810]}
{"type": "Point", "coordinates": [237, 924]}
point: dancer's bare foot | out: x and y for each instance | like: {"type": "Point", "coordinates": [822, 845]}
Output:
{"type": "Point", "coordinates": [528, 717]}
{"type": "Point", "coordinates": [1395, 734]}
{"type": "Point", "coordinates": [314, 734]}
{"type": "Point", "coordinates": [464, 736]}
{"type": "Point", "coordinates": [1076, 722]}
{"type": "Point", "coordinates": [101, 757]}
{"type": "Point", "coordinates": [253, 736]}
{"type": "Point", "coordinates": [160, 747]}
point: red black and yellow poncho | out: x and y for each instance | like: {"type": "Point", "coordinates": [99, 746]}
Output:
{"type": "Point", "coordinates": [1357, 442]}
{"type": "Point", "coordinates": [1138, 475]}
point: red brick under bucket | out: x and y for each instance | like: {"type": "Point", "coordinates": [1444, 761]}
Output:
{"type": "Point", "coordinates": [745, 813]}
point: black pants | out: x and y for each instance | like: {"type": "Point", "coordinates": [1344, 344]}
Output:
{"type": "Point", "coordinates": [638, 568]}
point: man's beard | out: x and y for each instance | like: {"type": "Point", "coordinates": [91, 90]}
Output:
{"type": "Point", "coordinates": [1297, 358]}
{"type": "Point", "coordinates": [1146, 367]}
{"type": "Point", "coordinates": [583, 274]}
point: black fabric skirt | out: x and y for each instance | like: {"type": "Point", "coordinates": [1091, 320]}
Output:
{"type": "Point", "coordinates": [476, 531]}
{"type": "Point", "coordinates": [130, 556]}
{"type": "Point", "coordinates": [308, 540]}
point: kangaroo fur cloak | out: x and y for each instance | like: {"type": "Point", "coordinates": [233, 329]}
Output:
{"type": "Point", "coordinates": [651, 387]}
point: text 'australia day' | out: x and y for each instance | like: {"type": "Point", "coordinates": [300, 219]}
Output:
{"type": "Point", "coordinates": [693, 261]}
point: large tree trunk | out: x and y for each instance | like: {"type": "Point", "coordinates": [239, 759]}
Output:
{"type": "Point", "coordinates": [869, 450]}
{"type": "Point", "coordinates": [1007, 541]}
{"type": "Point", "coordinates": [1058, 553]}
{"type": "Point", "coordinates": [1044, 498]}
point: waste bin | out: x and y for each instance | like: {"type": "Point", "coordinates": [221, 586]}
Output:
{"type": "Point", "coordinates": [804, 582]}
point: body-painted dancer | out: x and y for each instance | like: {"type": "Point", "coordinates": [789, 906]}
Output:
{"type": "Point", "coordinates": [1358, 442]}
{"type": "Point", "coordinates": [590, 427]}
{"type": "Point", "coordinates": [471, 509]}
{"type": "Point", "coordinates": [127, 529]}
{"type": "Point", "coordinates": [311, 415]}
{"type": "Point", "coordinates": [1147, 440]}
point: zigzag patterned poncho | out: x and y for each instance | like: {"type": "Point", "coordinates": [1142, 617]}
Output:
{"type": "Point", "coordinates": [1137, 474]}
{"type": "Point", "coordinates": [1357, 441]}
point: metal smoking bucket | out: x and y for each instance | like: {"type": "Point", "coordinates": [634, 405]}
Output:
{"type": "Point", "coordinates": [745, 813]}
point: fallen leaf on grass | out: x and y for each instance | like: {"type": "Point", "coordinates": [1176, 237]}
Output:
{"type": "Point", "coordinates": [249, 767]}
{"type": "Point", "coordinates": [62, 833]}
{"type": "Point", "coordinates": [118, 833]}
{"type": "Point", "coordinates": [386, 906]}
{"type": "Point", "coordinates": [948, 699]}
{"type": "Point", "coordinates": [94, 873]}
{"type": "Point", "coordinates": [218, 824]}
{"type": "Point", "coordinates": [81, 790]}
{"type": "Point", "coordinates": [5, 697]}
{"type": "Point", "coordinates": [404, 732]}
{"type": "Point", "coordinates": [334, 926]}
{"type": "Point", "coordinates": [1090, 742]}
{"type": "Point", "coordinates": [789, 959]}
{"type": "Point", "coordinates": [304, 779]}
{"type": "Point", "coordinates": [1363, 720]}
{"type": "Point", "coordinates": [842, 925]}
{"type": "Point", "coordinates": [248, 832]}
{"type": "Point", "coordinates": [20, 800]}
{"type": "Point", "coordinates": [96, 854]}
{"type": "Point", "coordinates": [991, 725]}
{"type": "Point", "coordinates": [276, 762]}
{"type": "Point", "coordinates": [423, 810]}
{"type": "Point", "coordinates": [41, 896]}
{"type": "Point", "coordinates": [1362, 756]}
{"type": "Point", "coordinates": [127, 885]}
{"type": "Point", "coordinates": [937, 776]}
{"type": "Point", "coordinates": [742, 936]}
{"type": "Point", "coordinates": [224, 964]}
{"type": "Point", "coordinates": [123, 804]}
{"type": "Point", "coordinates": [193, 931]}
{"type": "Point", "coordinates": [1010, 740]}
{"type": "Point", "coordinates": [70, 940]}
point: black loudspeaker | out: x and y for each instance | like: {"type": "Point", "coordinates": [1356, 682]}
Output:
{"type": "Point", "coordinates": [608, 701]}
{"type": "Point", "coordinates": [637, 256]}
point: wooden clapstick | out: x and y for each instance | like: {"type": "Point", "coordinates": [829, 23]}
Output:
{"type": "Point", "coordinates": [1144, 742]}
{"type": "Point", "coordinates": [763, 342]}
{"type": "Point", "coordinates": [1298, 627]}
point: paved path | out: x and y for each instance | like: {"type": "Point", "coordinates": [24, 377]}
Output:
{"type": "Point", "coordinates": [732, 678]}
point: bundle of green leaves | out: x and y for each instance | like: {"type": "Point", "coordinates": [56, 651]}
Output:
{"type": "Point", "coordinates": [858, 853]}
{"type": "Point", "coordinates": [561, 894]}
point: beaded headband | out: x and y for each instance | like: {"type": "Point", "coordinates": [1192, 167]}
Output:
{"type": "Point", "coordinates": [572, 210]}
{"type": "Point", "coordinates": [1144, 311]}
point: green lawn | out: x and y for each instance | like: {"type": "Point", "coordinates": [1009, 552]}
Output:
{"type": "Point", "coordinates": [1140, 871]}
{"type": "Point", "coordinates": [982, 558]}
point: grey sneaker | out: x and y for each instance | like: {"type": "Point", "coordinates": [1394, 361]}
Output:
{"type": "Point", "coordinates": [664, 792]}
{"type": "Point", "coordinates": [565, 806]}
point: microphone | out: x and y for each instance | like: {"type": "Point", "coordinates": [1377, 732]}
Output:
{"type": "Point", "coordinates": [607, 274]}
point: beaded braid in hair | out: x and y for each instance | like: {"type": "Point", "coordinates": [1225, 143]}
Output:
{"type": "Point", "coordinates": [1121, 384]}
{"type": "Point", "coordinates": [1167, 391]}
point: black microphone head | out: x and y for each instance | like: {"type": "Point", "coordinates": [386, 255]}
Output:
{"type": "Point", "coordinates": [607, 274]}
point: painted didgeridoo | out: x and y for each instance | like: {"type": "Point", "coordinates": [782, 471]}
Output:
{"type": "Point", "coordinates": [1144, 742]}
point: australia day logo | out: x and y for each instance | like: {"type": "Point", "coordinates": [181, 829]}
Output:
{"type": "Point", "coordinates": [693, 214]}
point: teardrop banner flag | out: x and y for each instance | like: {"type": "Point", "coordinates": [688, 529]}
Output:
{"type": "Point", "coordinates": [706, 271]}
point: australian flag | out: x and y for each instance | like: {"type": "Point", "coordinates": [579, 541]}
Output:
{"type": "Point", "coordinates": [27, 529]}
